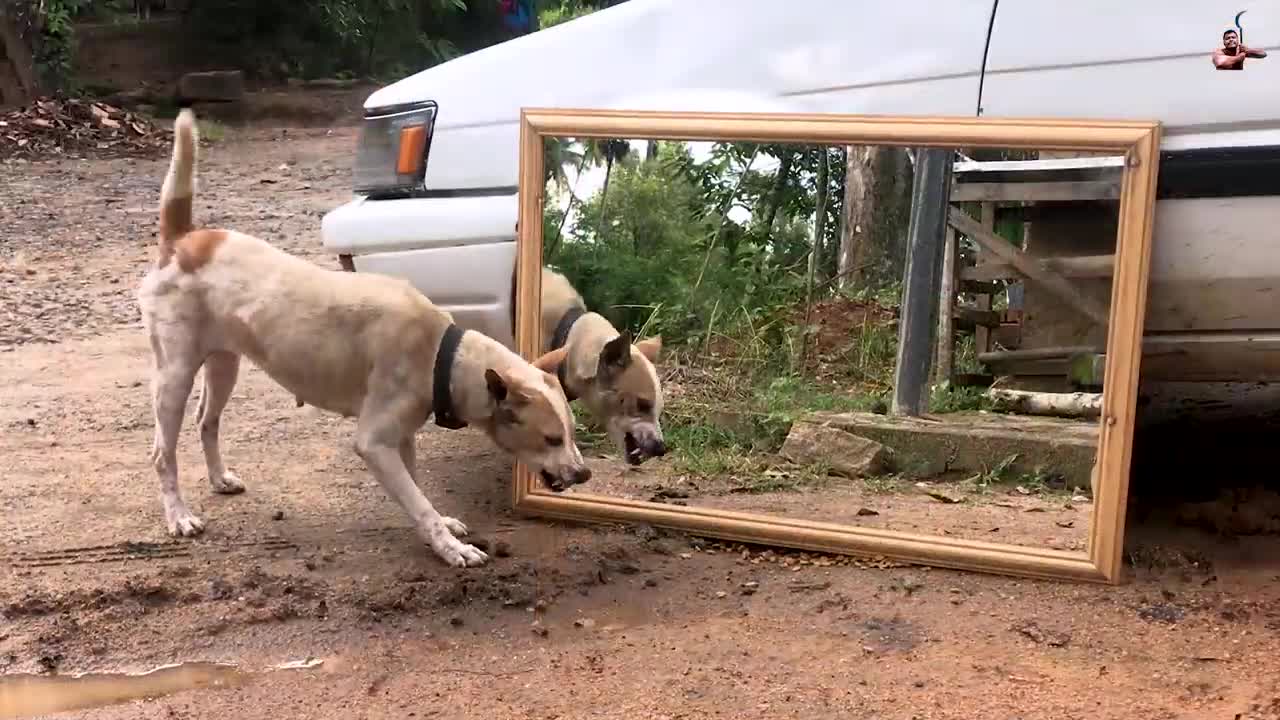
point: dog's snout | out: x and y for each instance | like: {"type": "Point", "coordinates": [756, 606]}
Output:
{"type": "Point", "coordinates": [657, 448]}
{"type": "Point", "coordinates": [581, 475]}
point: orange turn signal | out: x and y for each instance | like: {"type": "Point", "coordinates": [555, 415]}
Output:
{"type": "Point", "coordinates": [413, 143]}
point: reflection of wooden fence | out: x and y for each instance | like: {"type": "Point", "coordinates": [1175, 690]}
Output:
{"type": "Point", "coordinates": [1065, 280]}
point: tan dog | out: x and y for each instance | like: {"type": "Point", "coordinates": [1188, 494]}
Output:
{"type": "Point", "coordinates": [614, 377]}
{"type": "Point", "coordinates": [360, 344]}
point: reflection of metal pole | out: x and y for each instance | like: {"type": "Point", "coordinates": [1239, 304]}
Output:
{"type": "Point", "coordinates": [921, 281]}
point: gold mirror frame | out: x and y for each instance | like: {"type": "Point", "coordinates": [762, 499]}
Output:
{"type": "Point", "coordinates": [1137, 141]}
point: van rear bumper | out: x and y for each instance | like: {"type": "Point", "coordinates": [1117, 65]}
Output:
{"type": "Point", "coordinates": [364, 226]}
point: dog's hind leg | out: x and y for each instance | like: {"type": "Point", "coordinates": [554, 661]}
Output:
{"type": "Point", "coordinates": [380, 442]}
{"type": "Point", "coordinates": [408, 454]}
{"type": "Point", "coordinates": [171, 380]}
{"type": "Point", "coordinates": [220, 372]}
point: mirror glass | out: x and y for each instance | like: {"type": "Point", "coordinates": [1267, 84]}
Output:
{"type": "Point", "coordinates": [733, 316]}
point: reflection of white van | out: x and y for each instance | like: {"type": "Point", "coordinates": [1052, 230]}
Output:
{"type": "Point", "coordinates": [437, 205]}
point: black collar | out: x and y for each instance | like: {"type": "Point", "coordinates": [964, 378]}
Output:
{"type": "Point", "coordinates": [441, 398]}
{"type": "Point", "coordinates": [558, 340]}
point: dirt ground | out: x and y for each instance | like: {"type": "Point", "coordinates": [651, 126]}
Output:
{"type": "Point", "coordinates": [314, 561]}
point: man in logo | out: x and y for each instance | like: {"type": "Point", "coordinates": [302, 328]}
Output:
{"type": "Point", "coordinates": [1232, 54]}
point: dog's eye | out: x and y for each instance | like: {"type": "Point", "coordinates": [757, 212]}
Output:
{"type": "Point", "coordinates": [644, 406]}
{"type": "Point", "coordinates": [555, 441]}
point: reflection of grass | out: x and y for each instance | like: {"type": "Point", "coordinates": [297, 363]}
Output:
{"type": "Point", "coordinates": [589, 438]}
{"type": "Point", "coordinates": [1002, 478]}
{"type": "Point", "coordinates": [883, 484]}
{"type": "Point", "coordinates": [789, 480]}
{"type": "Point", "coordinates": [958, 399]}
{"type": "Point", "coordinates": [711, 440]}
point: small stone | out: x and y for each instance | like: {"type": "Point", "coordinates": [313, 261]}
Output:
{"type": "Point", "coordinates": [686, 556]}
{"type": "Point", "coordinates": [866, 512]}
{"type": "Point", "coordinates": [502, 549]}
{"type": "Point", "coordinates": [651, 582]}
{"type": "Point", "coordinates": [720, 594]}
{"type": "Point", "coordinates": [456, 621]}
{"type": "Point", "coordinates": [584, 623]}
{"type": "Point", "coordinates": [277, 515]}
{"type": "Point", "coordinates": [749, 588]}
{"type": "Point", "coordinates": [540, 630]}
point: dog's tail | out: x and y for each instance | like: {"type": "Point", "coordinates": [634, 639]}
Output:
{"type": "Point", "coordinates": [179, 185]}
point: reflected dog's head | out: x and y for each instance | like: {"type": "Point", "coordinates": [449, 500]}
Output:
{"type": "Point", "coordinates": [626, 396]}
{"type": "Point", "coordinates": [532, 420]}
{"type": "Point", "coordinates": [612, 376]}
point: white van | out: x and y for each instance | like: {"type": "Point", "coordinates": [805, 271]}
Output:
{"type": "Point", "coordinates": [440, 209]}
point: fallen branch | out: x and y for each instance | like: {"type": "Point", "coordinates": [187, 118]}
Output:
{"type": "Point", "coordinates": [1069, 405]}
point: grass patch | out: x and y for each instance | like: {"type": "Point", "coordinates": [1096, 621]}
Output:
{"type": "Point", "coordinates": [1002, 477]}
{"type": "Point", "coordinates": [212, 130]}
{"type": "Point", "coordinates": [884, 484]}
{"type": "Point", "coordinates": [718, 437]}
{"type": "Point", "coordinates": [958, 399]}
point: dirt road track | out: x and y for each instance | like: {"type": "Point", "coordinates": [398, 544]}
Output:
{"type": "Point", "coordinates": [315, 561]}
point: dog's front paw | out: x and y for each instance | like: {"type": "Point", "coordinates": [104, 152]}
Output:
{"type": "Point", "coordinates": [182, 523]}
{"type": "Point", "coordinates": [228, 484]}
{"type": "Point", "coordinates": [456, 526]}
{"type": "Point", "coordinates": [460, 554]}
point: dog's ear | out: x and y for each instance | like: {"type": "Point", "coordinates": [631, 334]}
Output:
{"type": "Point", "coordinates": [616, 354]}
{"type": "Point", "coordinates": [550, 361]}
{"type": "Point", "coordinates": [650, 348]}
{"type": "Point", "coordinates": [497, 385]}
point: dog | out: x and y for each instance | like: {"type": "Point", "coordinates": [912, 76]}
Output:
{"type": "Point", "coordinates": [362, 345]}
{"type": "Point", "coordinates": [614, 377]}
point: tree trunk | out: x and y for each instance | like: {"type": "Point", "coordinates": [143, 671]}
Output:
{"type": "Point", "coordinates": [18, 81]}
{"type": "Point", "coordinates": [604, 188]}
{"type": "Point", "coordinates": [550, 247]}
{"type": "Point", "coordinates": [819, 232]}
{"type": "Point", "coordinates": [858, 221]}
{"type": "Point", "coordinates": [778, 191]}
{"type": "Point", "coordinates": [651, 150]}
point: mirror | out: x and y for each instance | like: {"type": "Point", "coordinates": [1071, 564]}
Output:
{"type": "Point", "coordinates": [801, 331]}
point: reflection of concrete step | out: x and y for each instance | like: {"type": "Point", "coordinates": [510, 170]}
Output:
{"type": "Point", "coordinates": [973, 442]}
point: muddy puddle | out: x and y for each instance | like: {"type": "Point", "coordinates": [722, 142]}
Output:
{"type": "Point", "coordinates": [24, 696]}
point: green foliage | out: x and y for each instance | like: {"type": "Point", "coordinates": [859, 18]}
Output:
{"type": "Point", "coordinates": [54, 42]}
{"type": "Point", "coordinates": [638, 252]}
{"type": "Point", "coordinates": [562, 11]}
{"type": "Point", "coordinates": [275, 39]}
{"type": "Point", "coordinates": [388, 38]}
